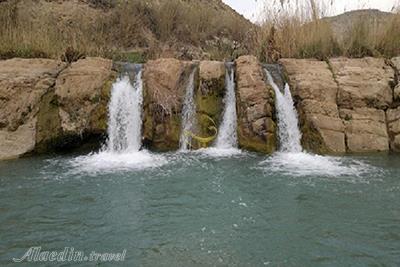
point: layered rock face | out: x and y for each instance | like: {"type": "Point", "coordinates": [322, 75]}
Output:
{"type": "Point", "coordinates": [209, 96]}
{"type": "Point", "coordinates": [24, 83]}
{"type": "Point", "coordinates": [255, 106]}
{"type": "Point", "coordinates": [46, 104]}
{"type": "Point", "coordinates": [314, 90]}
{"type": "Point", "coordinates": [364, 94]}
{"type": "Point", "coordinates": [393, 114]}
{"type": "Point", "coordinates": [83, 92]}
{"type": "Point", "coordinates": [342, 104]}
{"type": "Point", "coordinates": [345, 105]}
{"type": "Point", "coordinates": [165, 82]}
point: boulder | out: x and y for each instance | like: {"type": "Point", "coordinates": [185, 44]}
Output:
{"type": "Point", "coordinates": [256, 107]}
{"type": "Point", "coordinates": [164, 82]}
{"type": "Point", "coordinates": [393, 121]}
{"type": "Point", "coordinates": [314, 90]}
{"type": "Point", "coordinates": [364, 82]}
{"type": "Point", "coordinates": [365, 130]}
{"type": "Point", "coordinates": [83, 93]}
{"type": "Point", "coordinates": [24, 83]}
{"type": "Point", "coordinates": [209, 96]}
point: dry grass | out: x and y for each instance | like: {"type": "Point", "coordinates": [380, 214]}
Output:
{"type": "Point", "coordinates": [302, 34]}
{"type": "Point", "coordinates": [125, 30]}
{"type": "Point", "coordinates": [389, 43]}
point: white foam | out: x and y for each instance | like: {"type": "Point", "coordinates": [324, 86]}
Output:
{"type": "Point", "coordinates": [107, 161]}
{"type": "Point", "coordinates": [220, 152]}
{"type": "Point", "coordinates": [122, 150]}
{"type": "Point", "coordinates": [306, 164]}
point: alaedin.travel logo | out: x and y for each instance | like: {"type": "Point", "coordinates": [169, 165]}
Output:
{"type": "Point", "coordinates": [68, 254]}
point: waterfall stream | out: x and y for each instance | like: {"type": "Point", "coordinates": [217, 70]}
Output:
{"type": "Point", "coordinates": [288, 123]}
{"type": "Point", "coordinates": [227, 135]}
{"type": "Point", "coordinates": [122, 150]}
{"type": "Point", "coordinates": [125, 115]}
{"type": "Point", "coordinates": [188, 115]}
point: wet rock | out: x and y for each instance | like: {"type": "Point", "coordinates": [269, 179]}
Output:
{"type": "Point", "coordinates": [314, 90]}
{"type": "Point", "coordinates": [209, 96]}
{"type": "Point", "coordinates": [255, 103]}
{"type": "Point", "coordinates": [164, 82]}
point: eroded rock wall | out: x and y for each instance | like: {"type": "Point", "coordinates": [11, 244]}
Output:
{"type": "Point", "coordinates": [209, 96]}
{"type": "Point", "coordinates": [83, 93]}
{"type": "Point", "coordinates": [255, 107]}
{"type": "Point", "coordinates": [393, 113]}
{"type": "Point", "coordinates": [165, 82]}
{"type": "Point", "coordinates": [314, 91]}
{"type": "Point", "coordinates": [24, 83]}
{"type": "Point", "coordinates": [343, 103]}
{"type": "Point", "coordinates": [365, 93]}
{"type": "Point", "coordinates": [46, 104]}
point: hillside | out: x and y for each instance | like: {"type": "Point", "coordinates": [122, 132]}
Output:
{"type": "Point", "coordinates": [375, 20]}
{"type": "Point", "coordinates": [131, 30]}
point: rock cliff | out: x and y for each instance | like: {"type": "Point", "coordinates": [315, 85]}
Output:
{"type": "Point", "coordinates": [24, 84]}
{"type": "Point", "coordinates": [315, 92]}
{"type": "Point", "coordinates": [47, 105]}
{"type": "Point", "coordinates": [165, 82]}
{"type": "Point", "coordinates": [256, 107]}
{"type": "Point", "coordinates": [344, 105]}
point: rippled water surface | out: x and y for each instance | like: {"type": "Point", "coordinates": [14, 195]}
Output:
{"type": "Point", "coordinates": [209, 208]}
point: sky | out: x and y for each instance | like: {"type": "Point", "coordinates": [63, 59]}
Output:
{"type": "Point", "coordinates": [251, 8]}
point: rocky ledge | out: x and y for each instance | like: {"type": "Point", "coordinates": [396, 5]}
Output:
{"type": "Point", "coordinates": [344, 105]}
{"type": "Point", "coordinates": [46, 105]}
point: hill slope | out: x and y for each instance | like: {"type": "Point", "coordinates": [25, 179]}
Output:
{"type": "Point", "coordinates": [134, 30]}
{"type": "Point", "coordinates": [374, 19]}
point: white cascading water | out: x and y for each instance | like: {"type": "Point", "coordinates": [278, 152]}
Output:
{"type": "Point", "coordinates": [227, 135]}
{"type": "Point", "coordinates": [123, 148]}
{"type": "Point", "coordinates": [125, 115]}
{"type": "Point", "coordinates": [291, 159]}
{"type": "Point", "coordinates": [188, 115]}
{"type": "Point", "coordinates": [288, 123]}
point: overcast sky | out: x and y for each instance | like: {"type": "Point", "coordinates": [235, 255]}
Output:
{"type": "Point", "coordinates": [252, 8]}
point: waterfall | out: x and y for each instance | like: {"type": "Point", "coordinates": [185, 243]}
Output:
{"type": "Point", "coordinates": [288, 125]}
{"type": "Point", "coordinates": [227, 134]}
{"type": "Point", "coordinates": [188, 115]}
{"type": "Point", "coordinates": [125, 115]}
{"type": "Point", "coordinates": [122, 151]}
